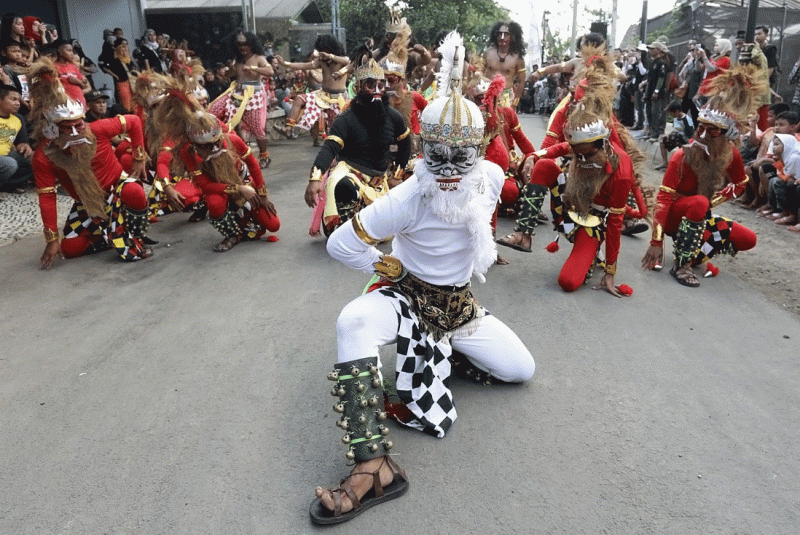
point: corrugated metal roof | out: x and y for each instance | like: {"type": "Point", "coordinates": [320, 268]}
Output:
{"type": "Point", "coordinates": [280, 9]}
{"type": "Point", "coordinates": [790, 4]}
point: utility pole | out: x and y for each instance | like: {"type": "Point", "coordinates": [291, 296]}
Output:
{"type": "Point", "coordinates": [335, 20]}
{"type": "Point", "coordinates": [573, 44]}
{"type": "Point", "coordinates": [544, 34]}
{"type": "Point", "coordinates": [643, 24]}
{"type": "Point", "coordinates": [612, 34]}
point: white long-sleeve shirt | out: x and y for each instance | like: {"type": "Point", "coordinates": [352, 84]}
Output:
{"type": "Point", "coordinates": [437, 252]}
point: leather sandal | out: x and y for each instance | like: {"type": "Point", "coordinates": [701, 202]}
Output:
{"type": "Point", "coordinates": [377, 494]}
{"type": "Point", "coordinates": [506, 242]}
{"type": "Point", "coordinates": [685, 276]}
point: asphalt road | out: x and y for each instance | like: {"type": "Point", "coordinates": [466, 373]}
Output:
{"type": "Point", "coordinates": [186, 394]}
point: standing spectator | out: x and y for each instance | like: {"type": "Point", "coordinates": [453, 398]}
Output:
{"type": "Point", "coordinates": [15, 152]}
{"type": "Point", "coordinates": [722, 62]}
{"type": "Point", "coordinates": [72, 79]}
{"type": "Point", "coordinates": [691, 75]}
{"type": "Point", "coordinates": [640, 78]}
{"type": "Point", "coordinates": [656, 93]}
{"type": "Point", "coordinates": [770, 52]}
{"type": "Point", "coordinates": [107, 54]}
{"type": "Point", "coordinates": [218, 81]}
{"type": "Point", "coordinates": [149, 53]}
{"type": "Point", "coordinates": [122, 68]}
{"type": "Point", "coordinates": [794, 79]}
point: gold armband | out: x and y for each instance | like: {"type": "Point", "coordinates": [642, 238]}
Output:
{"type": "Point", "coordinates": [231, 189]}
{"type": "Point", "coordinates": [667, 189]}
{"type": "Point", "coordinates": [316, 175]}
{"type": "Point", "coordinates": [516, 128]}
{"type": "Point", "coordinates": [51, 235]}
{"type": "Point", "coordinates": [248, 153]}
{"type": "Point", "coordinates": [361, 233]}
{"type": "Point", "coordinates": [521, 70]}
{"type": "Point", "coordinates": [716, 200]}
{"type": "Point", "coordinates": [516, 102]}
{"type": "Point", "coordinates": [197, 173]}
{"type": "Point", "coordinates": [617, 210]}
{"type": "Point", "coordinates": [404, 135]}
{"type": "Point", "coordinates": [343, 70]}
{"type": "Point", "coordinates": [124, 123]}
{"type": "Point", "coordinates": [262, 191]}
{"type": "Point", "coordinates": [611, 269]}
{"type": "Point", "coordinates": [40, 191]}
{"type": "Point", "coordinates": [336, 139]}
{"type": "Point", "coordinates": [658, 232]}
{"type": "Point", "coordinates": [390, 268]}
{"type": "Point", "coordinates": [138, 154]}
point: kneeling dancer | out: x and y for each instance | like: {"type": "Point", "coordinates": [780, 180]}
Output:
{"type": "Point", "coordinates": [703, 174]}
{"type": "Point", "coordinates": [110, 208]}
{"type": "Point", "coordinates": [223, 167]}
{"type": "Point", "coordinates": [588, 199]}
{"type": "Point", "coordinates": [439, 218]}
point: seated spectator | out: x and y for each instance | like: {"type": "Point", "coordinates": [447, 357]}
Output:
{"type": "Point", "coordinates": [15, 152]}
{"type": "Point", "coordinates": [786, 156]}
{"type": "Point", "coordinates": [13, 31]}
{"type": "Point", "coordinates": [97, 107]}
{"type": "Point", "coordinates": [216, 81]}
{"type": "Point", "coordinates": [682, 130]}
{"type": "Point", "coordinates": [15, 70]}
{"type": "Point", "coordinates": [756, 192]}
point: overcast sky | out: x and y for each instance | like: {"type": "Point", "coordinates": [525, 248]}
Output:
{"type": "Point", "coordinates": [560, 18]}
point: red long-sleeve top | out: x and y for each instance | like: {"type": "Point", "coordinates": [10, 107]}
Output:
{"type": "Point", "coordinates": [105, 165]}
{"type": "Point", "coordinates": [681, 181]}
{"type": "Point", "coordinates": [499, 152]}
{"type": "Point", "coordinates": [613, 195]}
{"type": "Point", "coordinates": [207, 184]}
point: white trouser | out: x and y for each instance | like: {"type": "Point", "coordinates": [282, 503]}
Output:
{"type": "Point", "coordinates": [370, 321]}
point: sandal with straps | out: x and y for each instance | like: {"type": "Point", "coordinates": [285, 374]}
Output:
{"type": "Point", "coordinates": [685, 276]}
{"type": "Point", "coordinates": [377, 494]}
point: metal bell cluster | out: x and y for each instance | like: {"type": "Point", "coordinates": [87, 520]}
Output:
{"type": "Point", "coordinates": [226, 225]}
{"type": "Point", "coordinates": [360, 392]}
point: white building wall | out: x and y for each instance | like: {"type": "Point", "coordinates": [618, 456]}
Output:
{"type": "Point", "coordinates": [88, 18]}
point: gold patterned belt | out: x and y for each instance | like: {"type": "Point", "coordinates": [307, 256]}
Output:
{"type": "Point", "coordinates": [441, 309]}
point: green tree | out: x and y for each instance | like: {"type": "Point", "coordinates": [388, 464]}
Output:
{"type": "Point", "coordinates": [367, 18]}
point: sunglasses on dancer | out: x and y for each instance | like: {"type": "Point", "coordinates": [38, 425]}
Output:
{"type": "Point", "coordinates": [704, 129]}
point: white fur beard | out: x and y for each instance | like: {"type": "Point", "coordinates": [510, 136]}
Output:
{"type": "Point", "coordinates": [464, 206]}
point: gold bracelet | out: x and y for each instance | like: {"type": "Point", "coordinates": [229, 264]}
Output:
{"type": "Point", "coordinates": [40, 191]}
{"type": "Point", "coordinates": [138, 154]}
{"type": "Point", "coordinates": [316, 175]}
{"type": "Point", "coordinates": [611, 269]}
{"type": "Point", "coordinates": [262, 191]}
{"type": "Point", "coordinates": [390, 267]}
{"type": "Point", "coordinates": [51, 235]}
{"type": "Point", "coordinates": [231, 189]}
{"type": "Point", "coordinates": [658, 232]}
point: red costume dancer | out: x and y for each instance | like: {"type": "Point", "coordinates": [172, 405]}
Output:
{"type": "Point", "coordinates": [703, 174]}
{"type": "Point", "coordinates": [502, 133]}
{"type": "Point", "coordinates": [169, 193]}
{"type": "Point", "coordinates": [589, 197]}
{"type": "Point", "coordinates": [223, 167]}
{"type": "Point", "coordinates": [110, 207]}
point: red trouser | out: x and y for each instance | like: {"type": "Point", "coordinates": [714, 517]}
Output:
{"type": "Point", "coordinates": [190, 192]}
{"type": "Point", "coordinates": [695, 208]}
{"type": "Point", "coordinates": [583, 253]}
{"type": "Point", "coordinates": [132, 196]}
{"type": "Point", "coordinates": [584, 247]}
{"type": "Point", "coordinates": [217, 204]}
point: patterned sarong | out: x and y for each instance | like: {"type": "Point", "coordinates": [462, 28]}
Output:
{"type": "Point", "coordinates": [563, 223]}
{"type": "Point", "coordinates": [318, 103]}
{"type": "Point", "coordinates": [715, 239]}
{"type": "Point", "coordinates": [113, 231]}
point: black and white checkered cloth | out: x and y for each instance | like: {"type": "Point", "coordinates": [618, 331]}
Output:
{"type": "Point", "coordinates": [422, 372]}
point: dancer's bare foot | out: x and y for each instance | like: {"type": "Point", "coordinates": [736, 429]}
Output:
{"type": "Point", "coordinates": [501, 261]}
{"type": "Point", "coordinates": [227, 244]}
{"type": "Point", "coordinates": [519, 241]}
{"type": "Point", "coordinates": [794, 228]}
{"type": "Point", "coordinates": [359, 484]}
